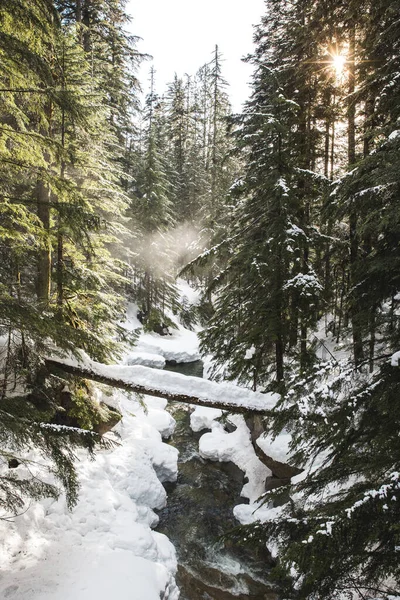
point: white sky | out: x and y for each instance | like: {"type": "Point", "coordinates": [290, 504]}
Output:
{"type": "Point", "coordinates": [181, 36]}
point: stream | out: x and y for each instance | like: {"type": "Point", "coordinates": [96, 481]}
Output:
{"type": "Point", "coordinates": [199, 510]}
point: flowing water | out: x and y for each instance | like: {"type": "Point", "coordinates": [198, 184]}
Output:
{"type": "Point", "coordinates": [199, 512]}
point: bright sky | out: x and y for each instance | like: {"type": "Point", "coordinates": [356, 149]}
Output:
{"type": "Point", "coordinates": [181, 36]}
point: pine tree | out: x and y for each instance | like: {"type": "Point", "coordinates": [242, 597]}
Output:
{"type": "Point", "coordinates": [270, 280]}
{"type": "Point", "coordinates": [60, 195]}
{"type": "Point", "coordinates": [337, 534]}
{"type": "Point", "coordinates": [152, 207]}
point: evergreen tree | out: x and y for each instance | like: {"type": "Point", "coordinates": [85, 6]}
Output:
{"type": "Point", "coordinates": [60, 196]}
{"type": "Point", "coordinates": [337, 533]}
{"type": "Point", "coordinates": [269, 285]}
{"type": "Point", "coordinates": [153, 287]}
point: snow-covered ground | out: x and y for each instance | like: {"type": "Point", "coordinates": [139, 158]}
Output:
{"type": "Point", "coordinates": [180, 346]}
{"type": "Point", "coordinates": [105, 547]}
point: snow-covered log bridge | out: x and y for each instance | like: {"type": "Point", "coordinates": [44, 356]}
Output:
{"type": "Point", "coordinates": [171, 386]}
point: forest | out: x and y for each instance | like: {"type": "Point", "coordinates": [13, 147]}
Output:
{"type": "Point", "coordinates": [285, 219]}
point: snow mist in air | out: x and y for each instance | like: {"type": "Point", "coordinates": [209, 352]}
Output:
{"type": "Point", "coordinates": [169, 251]}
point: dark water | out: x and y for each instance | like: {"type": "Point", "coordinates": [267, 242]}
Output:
{"type": "Point", "coordinates": [195, 368]}
{"type": "Point", "coordinates": [198, 513]}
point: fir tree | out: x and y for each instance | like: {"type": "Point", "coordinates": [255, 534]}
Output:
{"type": "Point", "coordinates": [60, 193]}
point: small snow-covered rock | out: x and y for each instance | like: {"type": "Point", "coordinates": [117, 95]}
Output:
{"type": "Point", "coordinates": [236, 447]}
{"type": "Point", "coordinates": [204, 418]}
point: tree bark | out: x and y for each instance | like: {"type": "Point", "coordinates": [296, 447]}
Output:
{"type": "Point", "coordinates": [353, 217]}
{"type": "Point", "coordinates": [54, 366]}
{"type": "Point", "coordinates": [43, 278]}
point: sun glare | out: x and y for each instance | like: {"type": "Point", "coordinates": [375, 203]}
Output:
{"type": "Point", "coordinates": [338, 61]}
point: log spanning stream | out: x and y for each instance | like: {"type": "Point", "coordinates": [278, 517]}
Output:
{"type": "Point", "coordinates": [199, 510]}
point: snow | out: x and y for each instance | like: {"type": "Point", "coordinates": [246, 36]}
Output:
{"type": "Point", "coordinates": [282, 184]}
{"type": "Point", "coordinates": [158, 417]}
{"type": "Point", "coordinates": [152, 349]}
{"type": "Point", "coordinates": [278, 448]}
{"type": "Point", "coordinates": [188, 292]}
{"type": "Point", "coordinates": [169, 383]}
{"type": "Point", "coordinates": [250, 353]}
{"type": "Point", "coordinates": [204, 418]}
{"type": "Point", "coordinates": [306, 283]}
{"type": "Point", "coordinates": [394, 361]}
{"type": "Point", "coordinates": [295, 231]}
{"type": "Point", "coordinates": [181, 346]}
{"type": "Point", "coordinates": [236, 447]}
{"type": "Point", "coordinates": [249, 513]}
{"type": "Point", "coordinates": [394, 135]}
{"type": "Point", "coordinates": [105, 547]}
{"type": "Point", "coordinates": [260, 509]}
{"type": "Point", "coordinates": [156, 361]}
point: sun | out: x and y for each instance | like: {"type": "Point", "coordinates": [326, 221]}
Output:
{"type": "Point", "coordinates": [338, 62]}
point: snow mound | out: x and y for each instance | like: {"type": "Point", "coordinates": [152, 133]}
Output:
{"type": "Point", "coordinates": [278, 448]}
{"type": "Point", "coordinates": [395, 359]}
{"type": "Point", "coordinates": [181, 346]}
{"type": "Point", "coordinates": [204, 418]}
{"type": "Point", "coordinates": [237, 447]}
{"type": "Point", "coordinates": [156, 361]}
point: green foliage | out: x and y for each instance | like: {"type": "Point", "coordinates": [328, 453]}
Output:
{"type": "Point", "coordinates": [22, 432]}
{"type": "Point", "coordinates": [66, 102]}
{"type": "Point", "coordinates": [156, 321]}
{"type": "Point", "coordinates": [269, 288]}
{"type": "Point", "coordinates": [339, 531]}
{"type": "Point", "coordinates": [187, 313]}
{"type": "Point", "coordinates": [301, 246]}
{"type": "Point", "coordinates": [84, 410]}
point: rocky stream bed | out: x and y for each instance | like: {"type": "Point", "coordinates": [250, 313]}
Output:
{"type": "Point", "coordinates": [198, 513]}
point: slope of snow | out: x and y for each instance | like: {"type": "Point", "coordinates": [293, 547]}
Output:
{"type": "Point", "coordinates": [186, 291]}
{"type": "Point", "coordinates": [180, 346]}
{"type": "Point", "coordinates": [105, 548]}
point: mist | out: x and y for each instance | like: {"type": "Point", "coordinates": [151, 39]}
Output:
{"type": "Point", "coordinates": [168, 252]}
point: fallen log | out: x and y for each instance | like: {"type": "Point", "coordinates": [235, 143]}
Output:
{"type": "Point", "coordinates": [171, 386]}
{"type": "Point", "coordinates": [168, 385]}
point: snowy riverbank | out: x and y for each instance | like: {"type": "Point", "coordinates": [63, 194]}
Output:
{"type": "Point", "coordinates": [106, 546]}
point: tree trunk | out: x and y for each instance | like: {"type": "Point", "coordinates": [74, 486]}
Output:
{"type": "Point", "coordinates": [86, 20]}
{"type": "Point", "coordinates": [353, 217]}
{"type": "Point", "coordinates": [279, 357]}
{"type": "Point", "coordinates": [43, 278]}
{"type": "Point", "coordinates": [86, 372]}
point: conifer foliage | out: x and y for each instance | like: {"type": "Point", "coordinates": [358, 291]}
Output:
{"type": "Point", "coordinates": [64, 114]}
{"type": "Point", "coordinates": [311, 258]}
